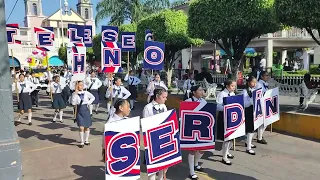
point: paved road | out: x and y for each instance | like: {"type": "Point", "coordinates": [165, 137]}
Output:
{"type": "Point", "coordinates": [50, 152]}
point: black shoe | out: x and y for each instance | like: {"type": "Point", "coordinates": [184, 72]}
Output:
{"type": "Point", "coordinates": [227, 163]}
{"type": "Point", "coordinates": [230, 156]}
{"type": "Point", "coordinates": [81, 145]}
{"type": "Point", "coordinates": [96, 112]}
{"type": "Point", "coordinates": [193, 177]}
{"type": "Point", "coordinates": [17, 123]}
{"type": "Point", "coordinates": [198, 168]}
{"type": "Point", "coordinates": [37, 105]}
{"type": "Point", "coordinates": [132, 108]}
{"type": "Point", "coordinates": [30, 123]}
{"type": "Point", "coordinates": [87, 143]}
{"type": "Point", "coordinates": [262, 141]}
{"type": "Point", "coordinates": [250, 152]}
{"type": "Point", "coordinates": [252, 146]}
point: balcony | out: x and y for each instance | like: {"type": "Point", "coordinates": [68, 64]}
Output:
{"type": "Point", "coordinates": [292, 33]}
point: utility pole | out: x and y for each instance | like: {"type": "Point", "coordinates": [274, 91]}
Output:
{"type": "Point", "coordinates": [10, 153]}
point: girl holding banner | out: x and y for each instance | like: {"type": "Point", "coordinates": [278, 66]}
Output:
{"type": "Point", "coordinates": [194, 156]}
{"type": "Point", "coordinates": [156, 83]}
{"type": "Point", "coordinates": [93, 84]}
{"type": "Point", "coordinates": [230, 86]}
{"type": "Point", "coordinates": [58, 103]}
{"type": "Point", "coordinates": [264, 77]}
{"type": "Point", "coordinates": [248, 104]}
{"type": "Point", "coordinates": [81, 99]}
{"type": "Point", "coordinates": [133, 81]}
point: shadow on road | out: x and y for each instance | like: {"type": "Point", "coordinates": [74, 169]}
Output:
{"type": "Point", "coordinates": [89, 172]}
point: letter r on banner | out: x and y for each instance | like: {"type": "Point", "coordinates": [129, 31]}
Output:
{"type": "Point", "coordinates": [78, 63]}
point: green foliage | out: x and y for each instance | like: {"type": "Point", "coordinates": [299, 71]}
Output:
{"type": "Point", "coordinates": [314, 69]}
{"type": "Point", "coordinates": [63, 54]}
{"type": "Point", "coordinates": [96, 47]}
{"type": "Point", "coordinates": [90, 55]}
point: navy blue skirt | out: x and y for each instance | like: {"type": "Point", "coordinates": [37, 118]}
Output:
{"type": "Point", "coordinates": [25, 102]}
{"type": "Point", "coordinates": [249, 119]}
{"type": "Point", "coordinates": [133, 91]}
{"type": "Point", "coordinates": [58, 101]}
{"type": "Point", "coordinates": [220, 126]}
{"type": "Point", "coordinates": [95, 93]}
{"type": "Point", "coordinates": [83, 116]}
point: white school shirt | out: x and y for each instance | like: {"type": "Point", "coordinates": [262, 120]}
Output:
{"type": "Point", "coordinates": [28, 86]}
{"type": "Point", "coordinates": [220, 96]}
{"type": "Point", "coordinates": [152, 86]}
{"type": "Point", "coordinates": [29, 78]}
{"type": "Point", "coordinates": [119, 91]}
{"type": "Point", "coordinates": [132, 80]}
{"type": "Point", "coordinates": [56, 87]}
{"type": "Point", "coordinates": [262, 84]}
{"type": "Point", "coordinates": [87, 99]}
{"type": "Point", "coordinates": [108, 82]}
{"type": "Point", "coordinates": [248, 101]}
{"type": "Point", "coordinates": [48, 75]}
{"type": "Point", "coordinates": [35, 80]}
{"type": "Point", "coordinates": [194, 99]}
{"type": "Point", "coordinates": [148, 110]}
{"type": "Point", "coordinates": [188, 84]}
{"type": "Point", "coordinates": [63, 81]}
{"type": "Point", "coordinates": [95, 82]}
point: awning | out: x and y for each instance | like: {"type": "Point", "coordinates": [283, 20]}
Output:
{"type": "Point", "coordinates": [55, 61]}
{"type": "Point", "coordinates": [14, 61]}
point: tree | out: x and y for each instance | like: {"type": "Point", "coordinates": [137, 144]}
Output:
{"type": "Point", "coordinates": [178, 3]}
{"type": "Point", "coordinates": [128, 10]}
{"type": "Point", "coordinates": [63, 54]}
{"type": "Point", "coordinates": [301, 14]}
{"type": "Point", "coordinates": [169, 27]}
{"type": "Point", "coordinates": [90, 55]}
{"type": "Point", "coordinates": [232, 24]}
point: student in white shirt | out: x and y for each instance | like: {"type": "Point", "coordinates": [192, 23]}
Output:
{"type": "Point", "coordinates": [156, 106]}
{"type": "Point", "coordinates": [24, 88]}
{"type": "Point", "coordinates": [58, 103]}
{"type": "Point", "coordinates": [187, 86]}
{"type": "Point", "coordinates": [156, 83]}
{"type": "Point", "coordinates": [108, 82]}
{"type": "Point", "coordinates": [194, 156]}
{"type": "Point", "coordinates": [81, 99]}
{"type": "Point", "coordinates": [230, 86]}
{"type": "Point", "coordinates": [133, 81]}
{"type": "Point", "coordinates": [93, 84]}
{"type": "Point", "coordinates": [248, 104]}
{"type": "Point", "coordinates": [264, 77]}
{"type": "Point", "coordinates": [34, 94]}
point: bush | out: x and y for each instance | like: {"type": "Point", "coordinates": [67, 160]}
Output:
{"type": "Point", "coordinates": [314, 69]}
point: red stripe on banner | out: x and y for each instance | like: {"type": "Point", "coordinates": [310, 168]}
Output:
{"type": "Point", "coordinates": [38, 29]}
{"type": "Point", "coordinates": [163, 167]}
{"type": "Point", "coordinates": [198, 148]}
{"type": "Point", "coordinates": [18, 42]}
{"type": "Point", "coordinates": [229, 133]}
{"type": "Point", "coordinates": [134, 171]}
{"type": "Point", "coordinates": [13, 25]}
{"type": "Point", "coordinates": [188, 106]}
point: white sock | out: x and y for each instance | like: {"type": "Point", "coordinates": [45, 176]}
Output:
{"type": "Point", "coordinates": [90, 108]}
{"type": "Point", "coordinates": [55, 115]}
{"type": "Point", "coordinates": [19, 117]}
{"type": "Point", "coordinates": [249, 140]}
{"type": "Point", "coordinates": [97, 107]}
{"type": "Point", "coordinates": [260, 132]}
{"type": "Point", "coordinates": [81, 137]}
{"type": "Point", "coordinates": [61, 114]}
{"type": "Point", "coordinates": [29, 116]}
{"type": "Point", "coordinates": [87, 133]}
{"type": "Point", "coordinates": [225, 147]}
{"type": "Point", "coordinates": [108, 107]}
{"type": "Point", "coordinates": [197, 158]}
{"type": "Point", "coordinates": [131, 103]}
{"type": "Point", "coordinates": [191, 164]}
{"type": "Point", "coordinates": [152, 177]}
{"type": "Point", "coordinates": [160, 175]}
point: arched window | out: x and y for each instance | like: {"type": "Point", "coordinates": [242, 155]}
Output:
{"type": "Point", "coordinates": [86, 13]}
{"type": "Point", "coordinates": [35, 9]}
{"type": "Point", "coordinates": [79, 11]}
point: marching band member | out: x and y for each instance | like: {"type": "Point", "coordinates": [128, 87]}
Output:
{"type": "Point", "coordinates": [264, 77]}
{"type": "Point", "coordinates": [187, 86]}
{"type": "Point", "coordinates": [34, 94]}
{"type": "Point", "coordinates": [156, 83]}
{"type": "Point", "coordinates": [156, 106]}
{"type": "Point", "coordinates": [230, 86]}
{"type": "Point", "coordinates": [194, 156]}
{"type": "Point", "coordinates": [94, 84]}
{"type": "Point", "coordinates": [133, 82]}
{"type": "Point", "coordinates": [81, 99]}
{"type": "Point", "coordinates": [24, 88]}
{"type": "Point", "coordinates": [248, 104]}
{"type": "Point", "coordinates": [58, 103]}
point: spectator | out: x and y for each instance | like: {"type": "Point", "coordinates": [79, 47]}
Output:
{"type": "Point", "coordinates": [186, 75]}
{"type": "Point", "coordinates": [205, 74]}
{"type": "Point", "coordinates": [286, 66]}
{"type": "Point", "coordinates": [307, 83]}
{"type": "Point", "coordinates": [197, 76]}
{"type": "Point", "coordinates": [263, 64]}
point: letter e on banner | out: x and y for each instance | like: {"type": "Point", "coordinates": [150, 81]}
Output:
{"type": "Point", "coordinates": [128, 41]}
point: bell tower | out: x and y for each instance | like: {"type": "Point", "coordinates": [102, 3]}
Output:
{"type": "Point", "coordinates": [85, 10]}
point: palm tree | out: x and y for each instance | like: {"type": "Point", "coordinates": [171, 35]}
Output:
{"type": "Point", "coordinates": [121, 11]}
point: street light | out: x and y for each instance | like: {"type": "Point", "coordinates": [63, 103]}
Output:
{"type": "Point", "coordinates": [63, 11]}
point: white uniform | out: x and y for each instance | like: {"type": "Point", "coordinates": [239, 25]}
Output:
{"type": "Point", "coordinates": [248, 104]}
{"type": "Point", "coordinates": [93, 83]}
{"type": "Point", "coordinates": [187, 86]}
{"type": "Point", "coordinates": [152, 86]}
{"type": "Point", "coordinates": [118, 92]}
{"type": "Point", "coordinates": [29, 87]}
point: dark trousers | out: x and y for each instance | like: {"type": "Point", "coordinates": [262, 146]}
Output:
{"type": "Point", "coordinates": [301, 100]}
{"type": "Point", "coordinates": [35, 97]}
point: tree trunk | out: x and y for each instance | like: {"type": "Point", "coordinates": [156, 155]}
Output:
{"type": "Point", "coordinates": [169, 76]}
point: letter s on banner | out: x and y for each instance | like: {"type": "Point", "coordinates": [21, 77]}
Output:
{"type": "Point", "coordinates": [109, 34]}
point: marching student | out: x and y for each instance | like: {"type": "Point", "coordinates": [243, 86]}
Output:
{"type": "Point", "coordinates": [94, 84]}
{"type": "Point", "coordinates": [156, 106]}
{"type": "Point", "coordinates": [122, 111]}
{"type": "Point", "coordinates": [81, 99]}
{"type": "Point", "coordinates": [156, 83]}
{"type": "Point", "coordinates": [194, 156]}
{"type": "Point", "coordinates": [58, 103]}
{"type": "Point", "coordinates": [263, 83]}
{"type": "Point", "coordinates": [28, 76]}
{"type": "Point", "coordinates": [248, 104]}
{"type": "Point", "coordinates": [24, 89]}
{"type": "Point", "coordinates": [108, 83]}
{"type": "Point", "coordinates": [230, 86]}
{"type": "Point", "coordinates": [188, 83]}
{"type": "Point", "coordinates": [133, 81]}
{"type": "Point", "coordinates": [35, 93]}
{"type": "Point", "coordinates": [66, 90]}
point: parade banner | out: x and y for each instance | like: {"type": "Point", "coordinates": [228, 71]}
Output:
{"type": "Point", "coordinates": [13, 35]}
{"type": "Point", "coordinates": [122, 149]}
{"type": "Point", "coordinates": [197, 125]}
{"type": "Point", "coordinates": [76, 33]}
{"type": "Point", "coordinates": [44, 38]}
{"type": "Point", "coordinates": [87, 36]}
{"type": "Point", "coordinates": [110, 50]}
{"type": "Point", "coordinates": [234, 121]}
{"type": "Point", "coordinates": [257, 96]}
{"type": "Point", "coordinates": [128, 41]}
{"type": "Point", "coordinates": [271, 106]}
{"type": "Point", "coordinates": [153, 55]}
{"type": "Point", "coordinates": [161, 141]}
{"type": "Point", "coordinates": [149, 35]}
{"type": "Point", "coordinates": [78, 61]}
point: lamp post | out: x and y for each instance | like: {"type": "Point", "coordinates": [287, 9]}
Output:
{"type": "Point", "coordinates": [63, 11]}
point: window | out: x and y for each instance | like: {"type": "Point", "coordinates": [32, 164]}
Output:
{"type": "Point", "coordinates": [79, 11]}
{"type": "Point", "coordinates": [35, 9]}
{"type": "Point", "coordinates": [86, 13]}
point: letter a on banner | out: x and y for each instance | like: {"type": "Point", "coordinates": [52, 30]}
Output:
{"type": "Point", "coordinates": [110, 50]}
{"type": "Point", "coordinates": [257, 96]}
{"type": "Point", "coordinates": [153, 55]}
{"type": "Point", "coordinates": [122, 147]}
{"type": "Point", "coordinates": [197, 125]}
{"type": "Point", "coordinates": [44, 37]}
{"type": "Point", "coordinates": [233, 117]}
{"type": "Point", "coordinates": [161, 137]}
{"type": "Point", "coordinates": [271, 106]}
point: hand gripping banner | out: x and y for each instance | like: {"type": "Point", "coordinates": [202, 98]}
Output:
{"type": "Point", "coordinates": [271, 106]}
{"type": "Point", "coordinates": [257, 96]}
{"type": "Point", "coordinates": [13, 35]}
{"type": "Point", "coordinates": [44, 37]}
{"type": "Point", "coordinates": [161, 139]}
{"type": "Point", "coordinates": [197, 125]}
{"type": "Point", "coordinates": [153, 55]}
{"type": "Point", "coordinates": [233, 117]}
{"type": "Point", "coordinates": [122, 147]}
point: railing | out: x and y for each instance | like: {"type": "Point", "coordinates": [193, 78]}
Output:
{"type": "Point", "coordinates": [291, 33]}
{"type": "Point", "coordinates": [219, 78]}
{"type": "Point", "coordinates": [294, 80]}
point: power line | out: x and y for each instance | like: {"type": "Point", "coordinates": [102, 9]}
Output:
{"type": "Point", "coordinates": [12, 10]}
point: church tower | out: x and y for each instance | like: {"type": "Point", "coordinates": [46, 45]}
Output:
{"type": "Point", "coordinates": [85, 9]}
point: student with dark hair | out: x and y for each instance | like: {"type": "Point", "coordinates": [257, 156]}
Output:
{"type": "Point", "coordinates": [34, 94]}
{"type": "Point", "coordinates": [230, 86]}
{"type": "Point", "coordinates": [133, 82]}
{"type": "Point", "coordinates": [155, 84]}
{"type": "Point", "coordinates": [93, 84]}
{"type": "Point", "coordinates": [306, 85]}
{"type": "Point", "coordinates": [58, 103]}
{"type": "Point", "coordinates": [188, 84]}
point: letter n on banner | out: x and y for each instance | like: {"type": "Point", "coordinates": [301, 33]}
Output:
{"type": "Point", "coordinates": [197, 125]}
{"type": "Point", "coordinates": [271, 106]}
{"type": "Point", "coordinates": [153, 55]}
{"type": "Point", "coordinates": [78, 62]}
{"type": "Point", "coordinates": [122, 147]}
{"type": "Point", "coordinates": [161, 140]}
{"type": "Point", "coordinates": [233, 117]}
{"type": "Point", "coordinates": [257, 96]}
